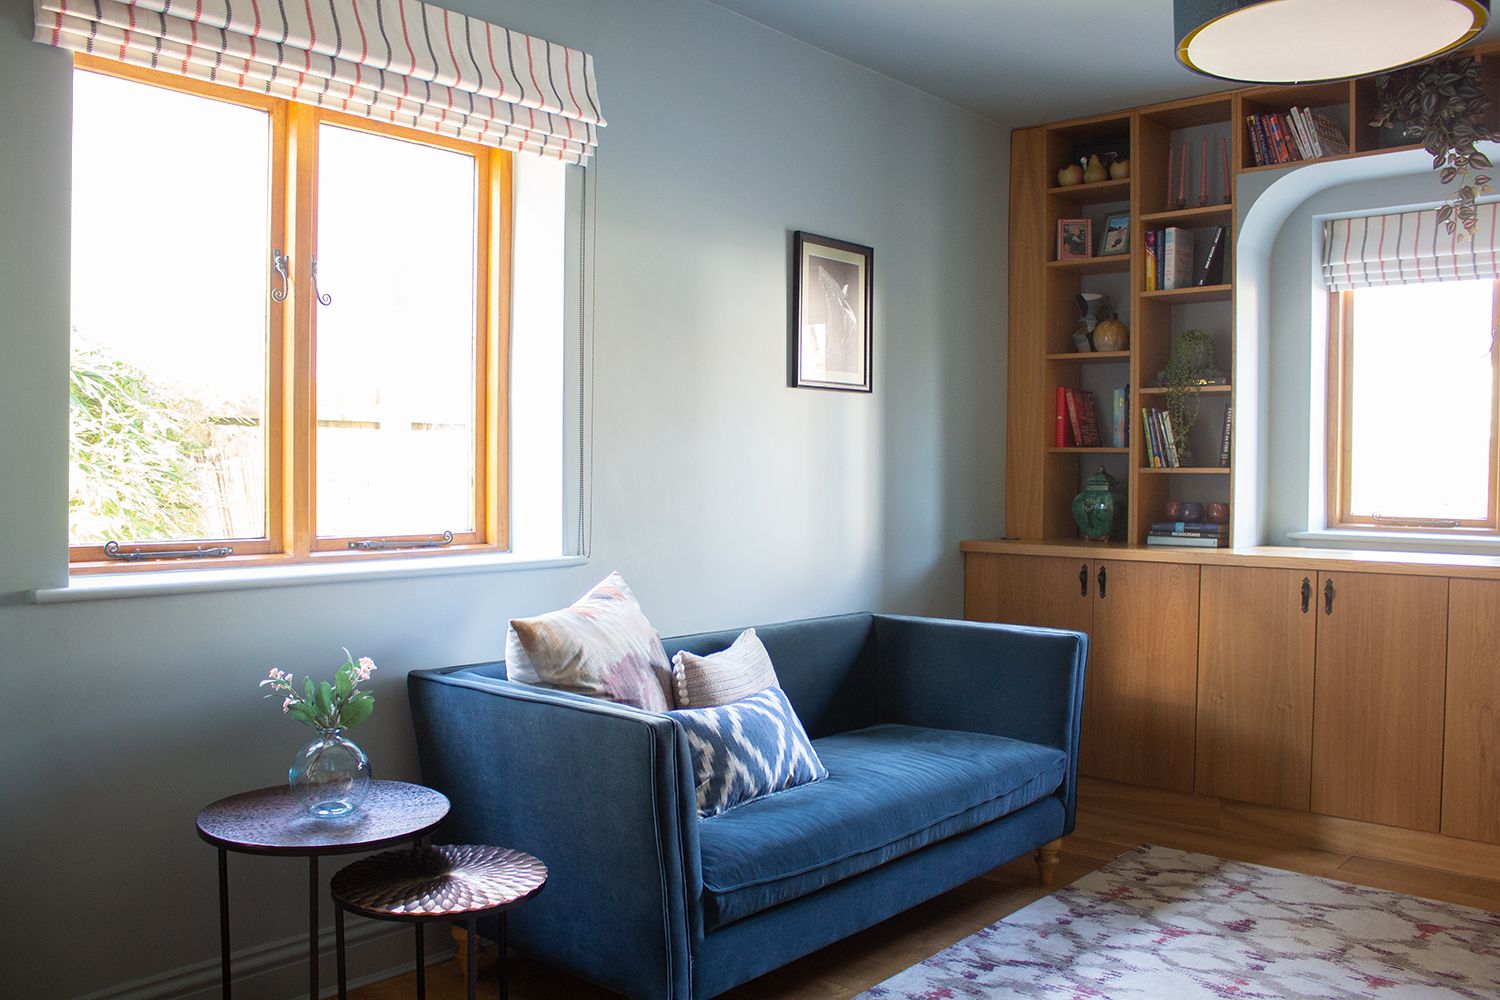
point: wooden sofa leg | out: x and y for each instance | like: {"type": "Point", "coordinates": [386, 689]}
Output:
{"type": "Point", "coordinates": [1046, 860]}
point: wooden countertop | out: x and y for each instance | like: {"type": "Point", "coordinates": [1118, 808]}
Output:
{"type": "Point", "coordinates": [1268, 556]}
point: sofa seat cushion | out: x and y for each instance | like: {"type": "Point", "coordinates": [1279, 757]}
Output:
{"type": "Point", "coordinates": [890, 790]}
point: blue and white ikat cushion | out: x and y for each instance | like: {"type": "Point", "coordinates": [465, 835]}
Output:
{"type": "Point", "coordinates": [747, 749]}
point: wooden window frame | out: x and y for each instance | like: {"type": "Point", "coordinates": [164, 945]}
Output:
{"type": "Point", "coordinates": [291, 348]}
{"type": "Point", "coordinates": [1341, 430]}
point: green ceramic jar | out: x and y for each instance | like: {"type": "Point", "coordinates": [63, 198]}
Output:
{"type": "Point", "coordinates": [1099, 508]}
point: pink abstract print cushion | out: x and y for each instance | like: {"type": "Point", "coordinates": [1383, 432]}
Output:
{"type": "Point", "coordinates": [602, 647]}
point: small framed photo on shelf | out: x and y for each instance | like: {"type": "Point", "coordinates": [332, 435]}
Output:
{"type": "Point", "coordinates": [1116, 238]}
{"type": "Point", "coordinates": [833, 301]}
{"type": "Point", "coordinates": [1075, 239]}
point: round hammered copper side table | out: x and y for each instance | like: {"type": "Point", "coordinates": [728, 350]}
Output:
{"type": "Point", "coordinates": [446, 882]}
{"type": "Point", "coordinates": [271, 821]}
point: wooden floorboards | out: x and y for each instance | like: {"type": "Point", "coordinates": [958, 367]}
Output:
{"type": "Point", "coordinates": [853, 965]}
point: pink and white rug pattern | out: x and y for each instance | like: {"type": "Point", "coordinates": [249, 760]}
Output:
{"type": "Point", "coordinates": [1160, 924]}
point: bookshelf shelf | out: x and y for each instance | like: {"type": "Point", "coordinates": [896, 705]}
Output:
{"type": "Point", "coordinates": [1357, 154]}
{"type": "Point", "coordinates": [1089, 451]}
{"type": "Point", "coordinates": [1207, 390]}
{"type": "Point", "coordinates": [1094, 194]}
{"type": "Point", "coordinates": [1093, 265]}
{"type": "Point", "coordinates": [1197, 470]}
{"type": "Point", "coordinates": [1092, 357]}
{"type": "Point", "coordinates": [1195, 216]}
{"type": "Point", "coordinates": [1198, 293]}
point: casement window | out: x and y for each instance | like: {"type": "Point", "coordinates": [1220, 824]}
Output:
{"type": "Point", "coordinates": [1413, 406]}
{"type": "Point", "coordinates": [289, 330]}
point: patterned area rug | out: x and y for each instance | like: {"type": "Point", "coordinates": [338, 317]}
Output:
{"type": "Point", "coordinates": [1159, 924]}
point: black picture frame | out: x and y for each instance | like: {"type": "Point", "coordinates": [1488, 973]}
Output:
{"type": "Point", "coordinates": [833, 305]}
{"type": "Point", "coordinates": [1115, 239]}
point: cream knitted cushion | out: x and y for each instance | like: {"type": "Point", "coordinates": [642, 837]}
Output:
{"type": "Point", "coordinates": [602, 647]}
{"type": "Point", "coordinates": [724, 677]}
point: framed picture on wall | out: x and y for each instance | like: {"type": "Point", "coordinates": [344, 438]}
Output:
{"type": "Point", "coordinates": [832, 313]}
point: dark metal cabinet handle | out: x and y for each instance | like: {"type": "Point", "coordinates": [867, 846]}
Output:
{"type": "Point", "coordinates": [1083, 580]}
{"type": "Point", "coordinates": [1102, 579]}
{"type": "Point", "coordinates": [1328, 597]}
{"type": "Point", "coordinates": [1306, 594]}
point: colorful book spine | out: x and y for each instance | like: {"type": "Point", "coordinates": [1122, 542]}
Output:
{"type": "Point", "coordinates": [1181, 541]}
{"type": "Point", "coordinates": [1212, 271]}
{"type": "Point", "coordinates": [1059, 435]}
{"type": "Point", "coordinates": [1088, 420]}
{"type": "Point", "coordinates": [1148, 440]}
{"type": "Point", "coordinates": [1151, 278]}
{"type": "Point", "coordinates": [1177, 258]}
{"type": "Point", "coordinates": [1073, 416]}
{"type": "Point", "coordinates": [1189, 527]}
{"type": "Point", "coordinates": [1256, 153]}
{"type": "Point", "coordinates": [1119, 413]}
{"type": "Point", "coordinates": [1224, 444]}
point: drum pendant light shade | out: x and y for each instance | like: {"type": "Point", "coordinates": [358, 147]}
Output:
{"type": "Point", "coordinates": [1304, 41]}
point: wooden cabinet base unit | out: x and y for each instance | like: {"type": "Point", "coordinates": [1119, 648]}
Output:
{"type": "Point", "coordinates": [1378, 708]}
{"type": "Point", "coordinates": [1140, 686]}
{"type": "Point", "coordinates": [1029, 590]}
{"type": "Point", "coordinates": [1257, 638]}
{"type": "Point", "coordinates": [1471, 745]}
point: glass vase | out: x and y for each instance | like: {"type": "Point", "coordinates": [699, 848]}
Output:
{"type": "Point", "coordinates": [330, 776]}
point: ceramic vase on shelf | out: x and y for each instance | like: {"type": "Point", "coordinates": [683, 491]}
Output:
{"type": "Point", "coordinates": [1099, 508]}
{"type": "Point", "coordinates": [330, 776]}
{"type": "Point", "coordinates": [1095, 171]}
{"type": "Point", "coordinates": [1111, 335]}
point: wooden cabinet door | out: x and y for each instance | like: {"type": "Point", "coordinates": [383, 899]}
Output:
{"type": "Point", "coordinates": [1378, 702]}
{"type": "Point", "coordinates": [1471, 748]}
{"type": "Point", "coordinates": [1255, 685]}
{"type": "Point", "coordinates": [1028, 590]}
{"type": "Point", "coordinates": [1140, 688]}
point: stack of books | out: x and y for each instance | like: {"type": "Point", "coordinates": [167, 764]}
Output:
{"type": "Point", "coordinates": [1297, 135]}
{"type": "Point", "coordinates": [1189, 534]}
{"type": "Point", "coordinates": [1169, 258]}
{"type": "Point", "coordinates": [1162, 447]}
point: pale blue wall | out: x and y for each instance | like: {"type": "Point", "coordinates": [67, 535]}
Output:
{"type": "Point", "coordinates": [724, 496]}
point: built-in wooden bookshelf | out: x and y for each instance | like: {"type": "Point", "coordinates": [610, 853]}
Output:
{"type": "Point", "coordinates": [1041, 478]}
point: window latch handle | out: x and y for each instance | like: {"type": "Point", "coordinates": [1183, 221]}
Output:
{"type": "Point", "coordinates": [371, 544]}
{"type": "Point", "coordinates": [283, 266]}
{"type": "Point", "coordinates": [325, 300]}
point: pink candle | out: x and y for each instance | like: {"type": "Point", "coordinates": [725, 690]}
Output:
{"type": "Point", "coordinates": [1203, 174]}
{"type": "Point", "coordinates": [1182, 179]}
{"type": "Point", "coordinates": [1224, 159]}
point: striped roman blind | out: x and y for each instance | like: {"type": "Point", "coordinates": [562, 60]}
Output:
{"type": "Point", "coordinates": [1408, 247]}
{"type": "Point", "coordinates": [400, 61]}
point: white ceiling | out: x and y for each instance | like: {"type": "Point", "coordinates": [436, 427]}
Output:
{"type": "Point", "coordinates": [1020, 62]}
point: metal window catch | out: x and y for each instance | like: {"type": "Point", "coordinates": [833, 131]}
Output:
{"type": "Point", "coordinates": [112, 551]}
{"type": "Point", "coordinates": [1414, 522]}
{"type": "Point", "coordinates": [370, 544]}
{"type": "Point", "coordinates": [283, 267]}
{"type": "Point", "coordinates": [325, 300]}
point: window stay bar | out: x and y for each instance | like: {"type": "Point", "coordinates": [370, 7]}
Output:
{"type": "Point", "coordinates": [112, 551]}
{"type": "Point", "coordinates": [446, 538]}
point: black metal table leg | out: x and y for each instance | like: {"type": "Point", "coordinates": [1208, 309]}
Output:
{"type": "Point", "coordinates": [224, 921]}
{"type": "Point", "coordinates": [421, 962]}
{"type": "Point", "coordinates": [501, 958]}
{"type": "Point", "coordinates": [473, 948]}
{"type": "Point", "coordinates": [312, 927]}
{"type": "Point", "coordinates": [338, 944]}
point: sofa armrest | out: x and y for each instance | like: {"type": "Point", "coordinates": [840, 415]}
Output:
{"type": "Point", "coordinates": [1005, 680]}
{"type": "Point", "coordinates": [602, 793]}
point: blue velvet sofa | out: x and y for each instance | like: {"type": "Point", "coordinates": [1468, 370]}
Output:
{"type": "Point", "coordinates": [951, 748]}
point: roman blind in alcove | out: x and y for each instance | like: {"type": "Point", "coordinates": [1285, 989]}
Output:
{"type": "Point", "coordinates": [1408, 247]}
{"type": "Point", "coordinates": [399, 61]}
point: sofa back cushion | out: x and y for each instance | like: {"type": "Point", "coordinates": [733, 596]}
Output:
{"type": "Point", "coordinates": [826, 667]}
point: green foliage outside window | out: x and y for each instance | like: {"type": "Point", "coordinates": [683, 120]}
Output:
{"type": "Point", "coordinates": [133, 453]}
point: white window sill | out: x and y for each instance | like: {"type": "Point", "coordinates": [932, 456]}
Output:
{"type": "Point", "coordinates": [198, 581]}
{"type": "Point", "coordinates": [1401, 541]}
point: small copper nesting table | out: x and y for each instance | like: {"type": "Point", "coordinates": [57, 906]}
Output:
{"type": "Point", "coordinates": [449, 882]}
{"type": "Point", "coordinates": [270, 821]}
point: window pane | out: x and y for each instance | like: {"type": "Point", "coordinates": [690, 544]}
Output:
{"type": "Point", "coordinates": [1422, 384]}
{"type": "Point", "coordinates": [169, 310]}
{"type": "Point", "coordinates": [396, 366]}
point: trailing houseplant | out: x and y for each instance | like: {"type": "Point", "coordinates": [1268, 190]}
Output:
{"type": "Point", "coordinates": [1191, 360]}
{"type": "Point", "coordinates": [1443, 105]}
{"type": "Point", "coordinates": [330, 776]}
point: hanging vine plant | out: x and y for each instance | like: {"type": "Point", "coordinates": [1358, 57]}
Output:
{"type": "Point", "coordinates": [1443, 105]}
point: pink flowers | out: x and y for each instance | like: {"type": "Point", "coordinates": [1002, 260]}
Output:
{"type": "Point", "coordinates": [330, 705]}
